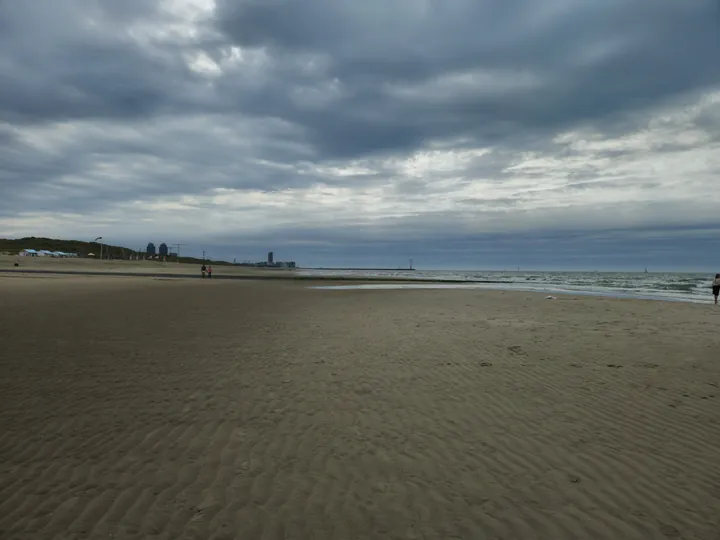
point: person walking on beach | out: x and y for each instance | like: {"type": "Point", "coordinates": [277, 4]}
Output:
{"type": "Point", "coordinates": [209, 271]}
{"type": "Point", "coordinates": [716, 288]}
{"type": "Point", "coordinates": [203, 270]}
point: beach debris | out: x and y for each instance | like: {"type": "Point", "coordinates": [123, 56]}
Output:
{"type": "Point", "coordinates": [485, 364]}
{"type": "Point", "coordinates": [574, 479]}
{"type": "Point", "coordinates": [550, 298]}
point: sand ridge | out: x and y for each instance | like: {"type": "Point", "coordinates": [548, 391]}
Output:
{"type": "Point", "coordinates": [141, 408]}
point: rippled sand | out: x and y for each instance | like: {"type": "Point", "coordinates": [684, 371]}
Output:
{"type": "Point", "coordinates": [173, 409]}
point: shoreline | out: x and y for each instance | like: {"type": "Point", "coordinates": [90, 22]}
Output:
{"type": "Point", "coordinates": [358, 282]}
{"type": "Point", "coordinates": [258, 276]}
{"type": "Point", "coordinates": [360, 269]}
{"type": "Point", "coordinates": [519, 288]}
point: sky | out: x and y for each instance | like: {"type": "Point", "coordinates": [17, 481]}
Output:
{"type": "Point", "coordinates": [473, 134]}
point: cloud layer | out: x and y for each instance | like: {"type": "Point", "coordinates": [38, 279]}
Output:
{"type": "Point", "coordinates": [336, 132]}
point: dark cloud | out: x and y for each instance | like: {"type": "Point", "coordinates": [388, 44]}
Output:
{"type": "Point", "coordinates": [404, 73]}
{"type": "Point", "coordinates": [526, 65]}
{"type": "Point", "coordinates": [73, 59]}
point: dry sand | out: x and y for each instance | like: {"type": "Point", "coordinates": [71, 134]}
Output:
{"type": "Point", "coordinates": [7, 262]}
{"type": "Point", "coordinates": [174, 409]}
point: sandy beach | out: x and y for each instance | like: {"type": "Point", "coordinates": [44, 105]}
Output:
{"type": "Point", "coordinates": [50, 264]}
{"type": "Point", "coordinates": [194, 409]}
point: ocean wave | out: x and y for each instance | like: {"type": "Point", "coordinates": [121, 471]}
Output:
{"type": "Point", "coordinates": [689, 287]}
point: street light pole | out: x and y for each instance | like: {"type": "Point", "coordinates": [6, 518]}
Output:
{"type": "Point", "coordinates": [178, 251]}
{"type": "Point", "coordinates": [99, 238]}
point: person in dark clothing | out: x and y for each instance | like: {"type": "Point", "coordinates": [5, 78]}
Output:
{"type": "Point", "coordinates": [203, 270]}
{"type": "Point", "coordinates": [716, 288]}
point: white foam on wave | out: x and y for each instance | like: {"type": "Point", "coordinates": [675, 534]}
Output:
{"type": "Point", "coordinates": [539, 290]}
{"type": "Point", "coordinates": [694, 288]}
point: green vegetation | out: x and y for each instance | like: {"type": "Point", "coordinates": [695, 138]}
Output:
{"type": "Point", "coordinates": [14, 246]}
{"type": "Point", "coordinates": [51, 244]}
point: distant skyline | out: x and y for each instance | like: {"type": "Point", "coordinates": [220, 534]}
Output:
{"type": "Point", "coordinates": [460, 134]}
{"type": "Point", "coordinates": [621, 250]}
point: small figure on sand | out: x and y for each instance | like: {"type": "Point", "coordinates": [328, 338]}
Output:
{"type": "Point", "coordinates": [203, 270]}
{"type": "Point", "coordinates": [716, 288]}
{"type": "Point", "coordinates": [209, 271]}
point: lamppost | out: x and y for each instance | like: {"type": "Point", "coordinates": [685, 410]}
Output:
{"type": "Point", "coordinates": [99, 238]}
{"type": "Point", "coordinates": [178, 250]}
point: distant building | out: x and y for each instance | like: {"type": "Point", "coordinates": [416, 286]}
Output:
{"type": "Point", "coordinates": [163, 250]}
{"type": "Point", "coordinates": [150, 250]}
{"type": "Point", "coordinates": [46, 253]}
{"type": "Point", "coordinates": [269, 263]}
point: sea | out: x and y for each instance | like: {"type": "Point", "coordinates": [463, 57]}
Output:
{"type": "Point", "coordinates": [679, 287]}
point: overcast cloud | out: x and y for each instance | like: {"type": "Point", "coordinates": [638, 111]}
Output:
{"type": "Point", "coordinates": [459, 133]}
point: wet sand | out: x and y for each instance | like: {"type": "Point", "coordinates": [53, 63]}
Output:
{"type": "Point", "coordinates": [173, 409]}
